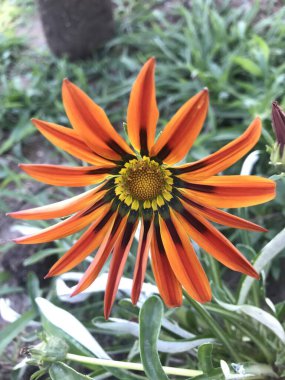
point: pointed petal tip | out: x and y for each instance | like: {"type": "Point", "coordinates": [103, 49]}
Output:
{"type": "Point", "coordinates": [151, 60]}
{"type": "Point", "coordinates": [205, 296]}
{"type": "Point", "coordinates": [275, 104]}
{"type": "Point", "coordinates": [37, 122]}
{"type": "Point", "coordinates": [173, 304]}
{"type": "Point", "coordinates": [75, 291]}
{"type": "Point", "coordinates": [66, 83]}
{"type": "Point", "coordinates": [48, 275]}
{"type": "Point", "coordinates": [107, 314]}
{"type": "Point", "coordinates": [134, 298]}
{"type": "Point", "coordinates": [257, 119]}
{"type": "Point", "coordinates": [204, 95]}
{"type": "Point", "coordinates": [255, 275]}
{"type": "Point", "coordinates": [13, 214]}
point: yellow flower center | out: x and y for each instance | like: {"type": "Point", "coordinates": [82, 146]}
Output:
{"type": "Point", "coordinates": [144, 182]}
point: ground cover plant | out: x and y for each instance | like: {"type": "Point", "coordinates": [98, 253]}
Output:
{"type": "Point", "coordinates": [236, 50]}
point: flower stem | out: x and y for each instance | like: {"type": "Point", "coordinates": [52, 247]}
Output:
{"type": "Point", "coordinates": [131, 366]}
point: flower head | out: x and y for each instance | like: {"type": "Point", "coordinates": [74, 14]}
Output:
{"type": "Point", "coordinates": [278, 124]}
{"type": "Point", "coordinates": [173, 203]}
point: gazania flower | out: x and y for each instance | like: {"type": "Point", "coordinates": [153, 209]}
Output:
{"type": "Point", "coordinates": [174, 204]}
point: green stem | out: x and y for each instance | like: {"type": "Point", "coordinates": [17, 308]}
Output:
{"type": "Point", "coordinates": [215, 271]}
{"type": "Point", "coordinates": [131, 366]}
{"type": "Point", "coordinates": [219, 333]}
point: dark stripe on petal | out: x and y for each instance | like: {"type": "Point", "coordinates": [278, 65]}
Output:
{"type": "Point", "coordinates": [108, 197]}
{"type": "Point", "coordinates": [164, 152]}
{"type": "Point", "coordinates": [147, 213]}
{"type": "Point", "coordinates": [116, 147]}
{"type": "Point", "coordinates": [193, 221]}
{"type": "Point", "coordinates": [194, 186]}
{"type": "Point", "coordinates": [105, 220]}
{"type": "Point", "coordinates": [94, 207]}
{"type": "Point", "coordinates": [103, 171]}
{"type": "Point", "coordinates": [192, 203]}
{"type": "Point", "coordinates": [160, 245]}
{"type": "Point", "coordinates": [143, 141]}
{"type": "Point", "coordinates": [195, 166]}
{"type": "Point", "coordinates": [173, 232]}
{"type": "Point", "coordinates": [133, 216]}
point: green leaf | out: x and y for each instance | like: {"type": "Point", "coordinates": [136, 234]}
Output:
{"type": "Point", "coordinates": [268, 253]}
{"type": "Point", "coordinates": [60, 371]}
{"type": "Point", "coordinates": [248, 65]}
{"type": "Point", "coordinates": [150, 322]}
{"type": "Point", "coordinates": [259, 315]}
{"type": "Point", "coordinates": [33, 287]}
{"type": "Point", "coordinates": [214, 374]}
{"type": "Point", "coordinates": [23, 129]}
{"type": "Point", "coordinates": [63, 324]}
{"type": "Point", "coordinates": [263, 46]}
{"type": "Point", "coordinates": [205, 358]}
{"type": "Point", "coordinates": [12, 330]}
{"type": "Point", "coordinates": [117, 326]}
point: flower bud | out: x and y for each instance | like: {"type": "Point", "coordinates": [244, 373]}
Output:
{"type": "Point", "coordinates": [277, 156]}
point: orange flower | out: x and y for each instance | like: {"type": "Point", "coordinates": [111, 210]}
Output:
{"type": "Point", "coordinates": [173, 203]}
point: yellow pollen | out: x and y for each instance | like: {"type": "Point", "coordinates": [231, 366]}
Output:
{"type": "Point", "coordinates": [143, 180]}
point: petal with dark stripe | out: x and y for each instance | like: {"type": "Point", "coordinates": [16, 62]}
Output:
{"type": "Point", "coordinates": [221, 217]}
{"type": "Point", "coordinates": [69, 140]}
{"type": "Point", "coordinates": [59, 175]}
{"type": "Point", "coordinates": [142, 257]}
{"type": "Point", "coordinates": [230, 191]}
{"type": "Point", "coordinates": [119, 258]}
{"type": "Point", "coordinates": [63, 208]}
{"type": "Point", "coordinates": [213, 242]}
{"type": "Point", "coordinates": [92, 124]}
{"type": "Point", "coordinates": [183, 259]}
{"type": "Point", "coordinates": [102, 254]}
{"type": "Point", "coordinates": [167, 283]}
{"type": "Point", "coordinates": [224, 157]}
{"type": "Point", "coordinates": [67, 227]}
{"type": "Point", "coordinates": [84, 246]}
{"type": "Point", "coordinates": [142, 110]}
{"type": "Point", "coordinates": [180, 133]}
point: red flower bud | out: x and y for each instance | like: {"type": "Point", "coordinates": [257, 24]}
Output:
{"type": "Point", "coordinates": [278, 124]}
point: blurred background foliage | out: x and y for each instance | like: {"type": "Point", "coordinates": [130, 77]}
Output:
{"type": "Point", "coordinates": [236, 49]}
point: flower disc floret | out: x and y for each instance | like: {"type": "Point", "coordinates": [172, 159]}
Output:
{"type": "Point", "coordinates": [144, 182]}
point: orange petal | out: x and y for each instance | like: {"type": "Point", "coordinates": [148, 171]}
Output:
{"type": "Point", "coordinates": [68, 139]}
{"type": "Point", "coordinates": [142, 110]}
{"type": "Point", "coordinates": [62, 208]}
{"type": "Point", "coordinates": [119, 258]}
{"type": "Point", "coordinates": [168, 285]}
{"type": "Point", "coordinates": [230, 191]}
{"type": "Point", "coordinates": [224, 157]}
{"type": "Point", "coordinates": [180, 133]}
{"type": "Point", "coordinates": [59, 175]}
{"type": "Point", "coordinates": [213, 242]}
{"type": "Point", "coordinates": [141, 260]}
{"type": "Point", "coordinates": [92, 124]}
{"type": "Point", "coordinates": [85, 245]}
{"type": "Point", "coordinates": [183, 259]}
{"type": "Point", "coordinates": [67, 227]}
{"type": "Point", "coordinates": [220, 217]}
{"type": "Point", "coordinates": [102, 255]}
